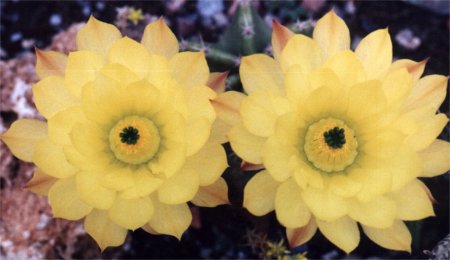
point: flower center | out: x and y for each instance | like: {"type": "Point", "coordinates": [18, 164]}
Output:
{"type": "Point", "coordinates": [134, 140]}
{"type": "Point", "coordinates": [129, 135]}
{"type": "Point", "coordinates": [330, 145]}
{"type": "Point", "coordinates": [335, 137]}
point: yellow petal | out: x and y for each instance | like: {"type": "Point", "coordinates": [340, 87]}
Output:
{"type": "Point", "coordinates": [291, 211]}
{"type": "Point", "coordinates": [217, 80]}
{"type": "Point", "coordinates": [367, 99]}
{"type": "Point", "coordinates": [344, 186]}
{"type": "Point", "coordinates": [259, 194]}
{"type": "Point", "coordinates": [347, 66]}
{"type": "Point", "coordinates": [144, 184]}
{"type": "Point", "coordinates": [261, 109]}
{"type": "Point", "coordinates": [40, 183]}
{"type": "Point", "coordinates": [197, 133]}
{"type": "Point", "coordinates": [118, 178]}
{"type": "Point", "coordinates": [119, 73]}
{"type": "Point", "coordinates": [212, 195]}
{"type": "Point", "coordinates": [103, 230]}
{"type": "Point", "coordinates": [22, 137]}
{"type": "Point", "coordinates": [50, 96]}
{"type": "Point", "coordinates": [82, 67]}
{"type": "Point", "coordinates": [50, 63]}
{"type": "Point", "coordinates": [276, 157]}
{"type": "Point", "coordinates": [412, 202]}
{"type": "Point", "coordinates": [375, 53]}
{"type": "Point", "coordinates": [428, 91]}
{"type": "Point", "coordinates": [380, 212]}
{"type": "Point", "coordinates": [428, 132]}
{"type": "Point", "coordinates": [209, 163]}
{"type": "Point", "coordinates": [60, 125]}
{"type": "Point", "coordinates": [88, 139]}
{"type": "Point", "coordinates": [259, 71]}
{"type": "Point", "coordinates": [280, 36]}
{"type": "Point", "coordinates": [405, 167]}
{"type": "Point", "coordinates": [331, 34]}
{"type": "Point", "coordinates": [436, 158]}
{"type": "Point", "coordinates": [414, 68]}
{"type": "Point", "coordinates": [130, 54]}
{"type": "Point", "coordinates": [179, 188]}
{"type": "Point", "coordinates": [65, 202]}
{"type": "Point", "coordinates": [91, 190]}
{"type": "Point", "coordinates": [343, 232]}
{"type": "Point", "coordinates": [159, 39]}
{"type": "Point", "coordinates": [97, 36]}
{"type": "Point", "coordinates": [324, 205]}
{"type": "Point", "coordinates": [374, 182]}
{"type": "Point", "coordinates": [227, 106]}
{"type": "Point", "coordinates": [219, 132]}
{"type": "Point", "coordinates": [190, 68]}
{"type": "Point", "coordinates": [245, 144]}
{"type": "Point", "coordinates": [170, 219]}
{"type": "Point", "coordinates": [131, 214]}
{"type": "Point", "coordinates": [396, 85]}
{"type": "Point", "coordinates": [303, 51]}
{"type": "Point", "coordinates": [51, 159]}
{"type": "Point", "coordinates": [298, 236]}
{"type": "Point", "coordinates": [396, 237]}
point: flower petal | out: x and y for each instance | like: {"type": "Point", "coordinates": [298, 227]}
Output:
{"type": "Point", "coordinates": [91, 190]}
{"type": "Point", "coordinates": [245, 144]}
{"type": "Point", "coordinates": [190, 68]}
{"type": "Point", "coordinates": [290, 208]}
{"type": "Point", "coordinates": [298, 236]}
{"type": "Point", "coordinates": [412, 202]}
{"type": "Point", "coordinates": [51, 159]}
{"type": "Point", "coordinates": [217, 80]}
{"type": "Point", "coordinates": [259, 71]}
{"type": "Point", "coordinates": [159, 39]}
{"type": "Point", "coordinates": [332, 34]}
{"type": "Point", "coordinates": [40, 183]}
{"type": "Point", "coordinates": [375, 53]}
{"type": "Point", "coordinates": [50, 63]}
{"type": "Point", "coordinates": [259, 194]}
{"type": "Point", "coordinates": [435, 158]}
{"type": "Point", "coordinates": [396, 85]}
{"type": "Point", "coordinates": [22, 137]}
{"type": "Point", "coordinates": [81, 68]}
{"type": "Point", "coordinates": [209, 163]}
{"type": "Point", "coordinates": [65, 202]}
{"type": "Point", "coordinates": [365, 99]}
{"type": "Point", "coordinates": [347, 66]}
{"type": "Point", "coordinates": [144, 184]}
{"type": "Point", "coordinates": [103, 230]}
{"type": "Point", "coordinates": [261, 109]}
{"type": "Point", "coordinates": [212, 195]}
{"type": "Point", "coordinates": [396, 237]}
{"type": "Point", "coordinates": [374, 181]}
{"type": "Point", "coordinates": [343, 232]}
{"type": "Point", "coordinates": [60, 125]}
{"type": "Point", "coordinates": [50, 96]}
{"type": "Point", "coordinates": [323, 204]}
{"type": "Point", "coordinates": [130, 54]}
{"type": "Point", "coordinates": [414, 68]}
{"type": "Point", "coordinates": [227, 106]}
{"type": "Point", "coordinates": [97, 36]}
{"type": "Point", "coordinates": [276, 157]}
{"type": "Point", "coordinates": [428, 91]}
{"type": "Point", "coordinates": [301, 50]}
{"type": "Point", "coordinates": [170, 219]}
{"type": "Point", "coordinates": [131, 214]}
{"type": "Point", "coordinates": [344, 186]}
{"type": "Point", "coordinates": [280, 36]}
{"type": "Point", "coordinates": [380, 212]}
{"type": "Point", "coordinates": [179, 188]}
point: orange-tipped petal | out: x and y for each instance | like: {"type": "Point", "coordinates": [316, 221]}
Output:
{"type": "Point", "coordinates": [280, 36]}
{"type": "Point", "coordinates": [299, 236]}
{"type": "Point", "coordinates": [414, 68]}
{"type": "Point", "coordinates": [217, 80]}
{"type": "Point", "coordinates": [227, 106]}
{"type": "Point", "coordinates": [212, 195]}
{"type": "Point", "coordinates": [246, 166]}
{"type": "Point", "coordinates": [332, 34]}
{"type": "Point", "coordinates": [50, 63]}
{"type": "Point", "coordinates": [40, 183]}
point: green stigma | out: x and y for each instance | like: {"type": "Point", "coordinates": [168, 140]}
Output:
{"type": "Point", "coordinates": [129, 135]}
{"type": "Point", "coordinates": [335, 137]}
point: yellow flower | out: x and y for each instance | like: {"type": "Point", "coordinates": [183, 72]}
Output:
{"type": "Point", "coordinates": [342, 135]}
{"type": "Point", "coordinates": [128, 139]}
{"type": "Point", "coordinates": [135, 15]}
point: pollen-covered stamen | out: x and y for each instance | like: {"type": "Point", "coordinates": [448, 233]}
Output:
{"type": "Point", "coordinates": [335, 137]}
{"type": "Point", "coordinates": [129, 135]}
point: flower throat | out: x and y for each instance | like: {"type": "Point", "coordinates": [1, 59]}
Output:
{"type": "Point", "coordinates": [335, 137]}
{"type": "Point", "coordinates": [129, 135]}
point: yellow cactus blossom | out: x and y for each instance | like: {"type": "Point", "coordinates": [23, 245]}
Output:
{"type": "Point", "coordinates": [342, 135]}
{"type": "Point", "coordinates": [127, 138]}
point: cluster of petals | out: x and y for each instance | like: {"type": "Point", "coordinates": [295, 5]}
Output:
{"type": "Point", "coordinates": [128, 137]}
{"type": "Point", "coordinates": [342, 136]}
